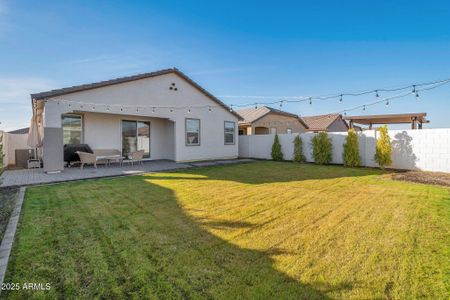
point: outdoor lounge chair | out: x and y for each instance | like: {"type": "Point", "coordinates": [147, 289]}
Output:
{"type": "Point", "coordinates": [136, 156]}
{"type": "Point", "coordinates": [87, 158]}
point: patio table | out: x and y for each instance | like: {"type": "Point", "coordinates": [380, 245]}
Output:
{"type": "Point", "coordinates": [109, 158]}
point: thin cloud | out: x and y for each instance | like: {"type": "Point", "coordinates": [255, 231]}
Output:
{"type": "Point", "coordinates": [231, 70]}
{"type": "Point", "coordinates": [15, 100]}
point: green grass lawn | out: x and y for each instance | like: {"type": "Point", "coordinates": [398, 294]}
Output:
{"type": "Point", "coordinates": [260, 230]}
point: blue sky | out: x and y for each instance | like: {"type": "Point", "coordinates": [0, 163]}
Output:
{"type": "Point", "coordinates": [230, 48]}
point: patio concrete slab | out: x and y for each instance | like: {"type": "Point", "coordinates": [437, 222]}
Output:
{"type": "Point", "coordinates": [27, 177]}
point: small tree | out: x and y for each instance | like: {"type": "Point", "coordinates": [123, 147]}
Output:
{"type": "Point", "coordinates": [322, 148]}
{"type": "Point", "coordinates": [277, 154]}
{"type": "Point", "coordinates": [383, 150]}
{"type": "Point", "coordinates": [350, 156]}
{"type": "Point", "coordinates": [298, 150]}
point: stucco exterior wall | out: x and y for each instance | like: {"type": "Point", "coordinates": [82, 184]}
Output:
{"type": "Point", "coordinates": [273, 120]}
{"type": "Point", "coordinates": [148, 92]}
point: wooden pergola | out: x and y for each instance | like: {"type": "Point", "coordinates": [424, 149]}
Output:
{"type": "Point", "coordinates": [415, 119]}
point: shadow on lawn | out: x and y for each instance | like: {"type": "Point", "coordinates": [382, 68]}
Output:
{"type": "Point", "coordinates": [173, 256]}
{"type": "Point", "coordinates": [215, 268]}
{"type": "Point", "coordinates": [253, 173]}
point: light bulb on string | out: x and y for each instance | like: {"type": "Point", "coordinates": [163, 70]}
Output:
{"type": "Point", "coordinates": [414, 89]}
{"type": "Point", "coordinates": [387, 103]}
{"type": "Point", "coordinates": [209, 109]}
{"type": "Point", "coordinates": [93, 107]}
{"type": "Point", "coordinates": [231, 108]}
{"type": "Point", "coordinates": [189, 110]}
{"type": "Point", "coordinates": [107, 108]}
{"type": "Point", "coordinates": [310, 100]}
{"type": "Point", "coordinates": [376, 94]}
{"type": "Point", "coordinates": [417, 95]}
{"type": "Point", "coordinates": [340, 99]}
{"type": "Point", "coordinates": [364, 107]}
{"type": "Point", "coordinates": [256, 105]}
{"type": "Point", "coordinates": [281, 104]}
{"type": "Point", "coordinates": [153, 110]}
{"type": "Point", "coordinates": [171, 109]}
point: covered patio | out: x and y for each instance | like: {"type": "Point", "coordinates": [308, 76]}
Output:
{"type": "Point", "coordinates": [415, 119]}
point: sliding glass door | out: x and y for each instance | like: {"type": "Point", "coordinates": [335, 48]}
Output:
{"type": "Point", "coordinates": [135, 137]}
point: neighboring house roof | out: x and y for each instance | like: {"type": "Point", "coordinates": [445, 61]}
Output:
{"type": "Point", "coordinates": [250, 115]}
{"type": "Point", "coordinates": [322, 122]}
{"type": "Point", "coordinates": [89, 86]}
{"type": "Point", "coordinates": [20, 131]}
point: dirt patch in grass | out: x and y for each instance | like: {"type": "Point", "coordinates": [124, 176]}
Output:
{"type": "Point", "coordinates": [436, 178]}
{"type": "Point", "coordinates": [7, 201]}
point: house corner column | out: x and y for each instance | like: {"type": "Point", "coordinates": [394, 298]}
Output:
{"type": "Point", "coordinates": [53, 156]}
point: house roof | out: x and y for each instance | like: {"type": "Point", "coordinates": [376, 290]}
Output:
{"type": "Point", "coordinates": [250, 115]}
{"type": "Point", "coordinates": [20, 131]}
{"type": "Point", "coordinates": [388, 118]}
{"type": "Point", "coordinates": [321, 122]}
{"type": "Point", "coordinates": [94, 85]}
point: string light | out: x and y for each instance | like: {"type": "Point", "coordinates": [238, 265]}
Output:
{"type": "Point", "coordinates": [297, 99]}
{"type": "Point", "coordinates": [209, 109]}
{"type": "Point", "coordinates": [417, 95]}
{"type": "Point", "coordinates": [281, 103]}
{"type": "Point", "coordinates": [256, 106]}
{"type": "Point", "coordinates": [387, 102]}
{"type": "Point", "coordinates": [189, 110]}
{"type": "Point", "coordinates": [340, 99]}
{"type": "Point", "coordinates": [153, 110]}
{"type": "Point", "coordinates": [231, 108]}
{"type": "Point", "coordinates": [364, 107]}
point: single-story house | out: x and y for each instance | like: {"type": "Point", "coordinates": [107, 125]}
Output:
{"type": "Point", "coordinates": [268, 120]}
{"type": "Point", "coordinates": [330, 123]}
{"type": "Point", "coordinates": [164, 113]}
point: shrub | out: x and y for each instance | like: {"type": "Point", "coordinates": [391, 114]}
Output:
{"type": "Point", "coordinates": [383, 150]}
{"type": "Point", "coordinates": [350, 156]}
{"type": "Point", "coordinates": [322, 148]}
{"type": "Point", "coordinates": [276, 153]}
{"type": "Point", "coordinates": [298, 150]}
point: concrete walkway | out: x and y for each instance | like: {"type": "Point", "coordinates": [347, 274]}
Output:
{"type": "Point", "coordinates": [26, 177]}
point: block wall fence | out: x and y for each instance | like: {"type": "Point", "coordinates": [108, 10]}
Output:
{"type": "Point", "coordinates": [426, 149]}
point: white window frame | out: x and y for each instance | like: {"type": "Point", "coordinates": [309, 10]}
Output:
{"type": "Point", "coordinates": [82, 125]}
{"type": "Point", "coordinates": [186, 131]}
{"type": "Point", "coordinates": [225, 132]}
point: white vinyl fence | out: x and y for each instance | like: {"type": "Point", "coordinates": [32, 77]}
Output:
{"type": "Point", "coordinates": [426, 149]}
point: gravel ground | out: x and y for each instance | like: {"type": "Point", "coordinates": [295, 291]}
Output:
{"type": "Point", "coordinates": [7, 199]}
{"type": "Point", "coordinates": [424, 177]}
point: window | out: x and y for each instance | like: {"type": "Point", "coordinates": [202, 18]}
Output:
{"type": "Point", "coordinates": [288, 130]}
{"type": "Point", "coordinates": [229, 132]}
{"type": "Point", "coordinates": [192, 132]}
{"type": "Point", "coordinates": [135, 137]}
{"type": "Point", "coordinates": [273, 130]}
{"type": "Point", "coordinates": [241, 132]}
{"type": "Point", "coordinates": [72, 129]}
